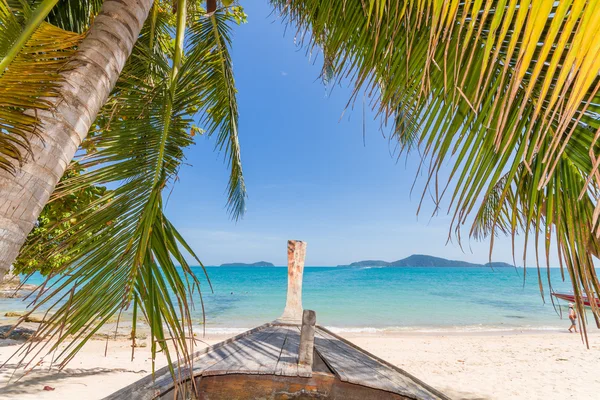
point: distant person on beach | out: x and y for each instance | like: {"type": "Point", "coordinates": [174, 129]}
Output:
{"type": "Point", "coordinates": [573, 318]}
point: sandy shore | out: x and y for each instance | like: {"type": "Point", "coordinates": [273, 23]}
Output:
{"type": "Point", "coordinates": [527, 365]}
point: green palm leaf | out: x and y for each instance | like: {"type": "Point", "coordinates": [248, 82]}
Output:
{"type": "Point", "coordinates": [74, 16]}
{"type": "Point", "coordinates": [220, 106]}
{"type": "Point", "coordinates": [32, 53]}
{"type": "Point", "coordinates": [132, 257]}
{"type": "Point", "coordinates": [505, 93]}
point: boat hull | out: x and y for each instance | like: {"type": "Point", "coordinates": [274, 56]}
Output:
{"type": "Point", "coordinates": [571, 298]}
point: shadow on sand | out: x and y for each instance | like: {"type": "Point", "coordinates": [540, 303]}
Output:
{"type": "Point", "coordinates": [19, 382]}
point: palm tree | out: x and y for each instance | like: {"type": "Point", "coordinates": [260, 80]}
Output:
{"type": "Point", "coordinates": [69, 111]}
{"type": "Point", "coordinates": [126, 248]}
{"type": "Point", "coordinates": [505, 92]}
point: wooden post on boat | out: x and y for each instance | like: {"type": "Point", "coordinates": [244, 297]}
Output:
{"type": "Point", "coordinates": [292, 313]}
{"type": "Point", "coordinates": [307, 339]}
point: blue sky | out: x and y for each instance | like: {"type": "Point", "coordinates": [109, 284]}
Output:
{"type": "Point", "coordinates": [309, 175]}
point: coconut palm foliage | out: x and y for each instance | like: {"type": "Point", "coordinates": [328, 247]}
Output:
{"type": "Point", "coordinates": [125, 253]}
{"type": "Point", "coordinates": [75, 16]}
{"type": "Point", "coordinates": [504, 92]}
{"type": "Point", "coordinates": [32, 53]}
{"type": "Point", "coordinates": [56, 217]}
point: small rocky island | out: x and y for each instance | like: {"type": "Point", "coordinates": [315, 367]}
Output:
{"type": "Point", "coordinates": [256, 264]}
{"type": "Point", "coordinates": [420, 260]}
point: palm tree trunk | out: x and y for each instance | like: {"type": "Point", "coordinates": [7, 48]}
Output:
{"type": "Point", "coordinates": [95, 69]}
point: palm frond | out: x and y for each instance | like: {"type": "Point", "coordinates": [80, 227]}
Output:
{"type": "Point", "coordinates": [553, 215]}
{"type": "Point", "coordinates": [33, 53]}
{"type": "Point", "coordinates": [127, 256]}
{"type": "Point", "coordinates": [504, 92]}
{"type": "Point", "coordinates": [220, 104]}
{"type": "Point", "coordinates": [74, 16]}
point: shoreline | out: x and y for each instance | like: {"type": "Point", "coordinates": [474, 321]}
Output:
{"type": "Point", "coordinates": [454, 330]}
{"type": "Point", "coordinates": [212, 332]}
{"type": "Point", "coordinates": [12, 317]}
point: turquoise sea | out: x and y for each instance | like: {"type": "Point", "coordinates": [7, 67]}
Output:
{"type": "Point", "coordinates": [371, 298]}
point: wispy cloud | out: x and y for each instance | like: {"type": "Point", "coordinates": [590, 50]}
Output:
{"type": "Point", "coordinates": [283, 73]}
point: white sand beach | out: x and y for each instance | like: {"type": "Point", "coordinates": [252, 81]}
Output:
{"type": "Point", "coordinates": [521, 365]}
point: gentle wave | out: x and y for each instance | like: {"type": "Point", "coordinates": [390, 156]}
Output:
{"type": "Point", "coordinates": [449, 329]}
{"type": "Point", "coordinates": [220, 331]}
{"type": "Point", "coordinates": [397, 329]}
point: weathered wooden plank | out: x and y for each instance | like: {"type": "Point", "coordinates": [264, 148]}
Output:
{"type": "Point", "coordinates": [391, 367]}
{"type": "Point", "coordinates": [241, 353]}
{"type": "Point", "coordinates": [276, 343]}
{"type": "Point", "coordinates": [222, 365]}
{"type": "Point", "coordinates": [348, 365]}
{"type": "Point", "coordinates": [354, 366]}
{"type": "Point", "coordinates": [148, 387]}
{"type": "Point", "coordinates": [287, 363]}
{"type": "Point", "coordinates": [220, 356]}
{"type": "Point", "coordinates": [262, 357]}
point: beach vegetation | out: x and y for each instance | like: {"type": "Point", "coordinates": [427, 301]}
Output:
{"type": "Point", "coordinates": [55, 224]}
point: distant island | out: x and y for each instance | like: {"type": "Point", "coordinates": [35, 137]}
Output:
{"type": "Point", "coordinates": [256, 264]}
{"type": "Point", "coordinates": [420, 260]}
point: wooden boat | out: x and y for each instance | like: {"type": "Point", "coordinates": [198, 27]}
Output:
{"type": "Point", "coordinates": [571, 298]}
{"type": "Point", "coordinates": [289, 358]}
